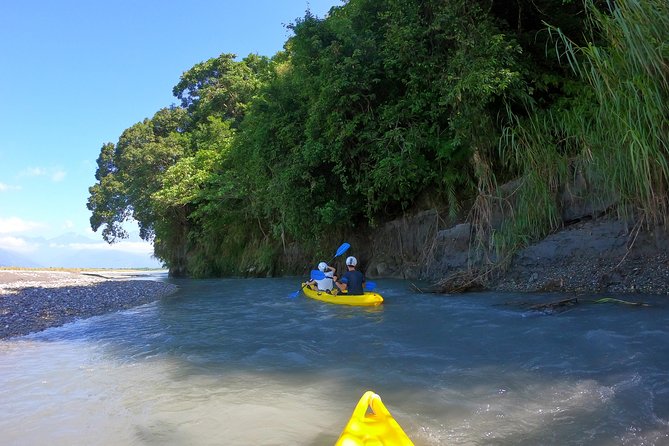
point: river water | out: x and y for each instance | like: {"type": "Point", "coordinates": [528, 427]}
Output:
{"type": "Point", "coordinates": [238, 362]}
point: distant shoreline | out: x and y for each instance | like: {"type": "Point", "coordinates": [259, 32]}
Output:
{"type": "Point", "coordinates": [68, 269]}
{"type": "Point", "coordinates": [33, 299]}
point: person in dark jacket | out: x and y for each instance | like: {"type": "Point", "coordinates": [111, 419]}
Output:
{"type": "Point", "coordinates": [352, 281]}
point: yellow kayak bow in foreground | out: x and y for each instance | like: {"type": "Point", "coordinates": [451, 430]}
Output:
{"type": "Point", "coordinates": [372, 425]}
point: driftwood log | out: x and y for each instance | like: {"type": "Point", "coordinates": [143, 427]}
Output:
{"type": "Point", "coordinates": [557, 305]}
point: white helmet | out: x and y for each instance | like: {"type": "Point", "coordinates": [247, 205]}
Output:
{"type": "Point", "coordinates": [322, 266]}
{"type": "Point", "coordinates": [351, 261]}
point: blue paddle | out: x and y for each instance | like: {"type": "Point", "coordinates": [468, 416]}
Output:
{"type": "Point", "coordinates": [369, 286]}
{"type": "Point", "coordinates": [341, 250]}
{"type": "Point", "coordinates": [319, 275]}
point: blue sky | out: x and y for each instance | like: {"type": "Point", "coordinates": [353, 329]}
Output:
{"type": "Point", "coordinates": [75, 74]}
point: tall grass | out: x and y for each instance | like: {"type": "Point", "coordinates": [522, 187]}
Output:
{"type": "Point", "coordinates": [540, 151]}
{"type": "Point", "coordinates": [616, 132]}
{"type": "Point", "coordinates": [630, 78]}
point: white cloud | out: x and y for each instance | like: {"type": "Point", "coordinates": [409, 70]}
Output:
{"type": "Point", "coordinates": [33, 172]}
{"type": "Point", "coordinates": [17, 244]}
{"type": "Point", "coordinates": [58, 175]}
{"type": "Point", "coordinates": [15, 224]}
{"type": "Point", "coordinates": [130, 247]}
{"type": "Point", "coordinates": [68, 224]}
{"type": "Point", "coordinates": [54, 173]}
{"type": "Point", "coordinates": [7, 187]}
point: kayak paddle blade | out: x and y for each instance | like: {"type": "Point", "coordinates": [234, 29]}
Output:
{"type": "Point", "coordinates": [342, 249]}
{"type": "Point", "coordinates": [317, 275]}
{"type": "Point", "coordinates": [369, 286]}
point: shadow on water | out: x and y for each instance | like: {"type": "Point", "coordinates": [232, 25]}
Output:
{"type": "Point", "coordinates": [452, 369]}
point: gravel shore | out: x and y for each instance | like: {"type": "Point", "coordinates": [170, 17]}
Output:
{"type": "Point", "coordinates": [593, 257]}
{"type": "Point", "coordinates": [589, 257]}
{"type": "Point", "coordinates": [33, 300]}
{"type": "Point", "coordinates": [645, 275]}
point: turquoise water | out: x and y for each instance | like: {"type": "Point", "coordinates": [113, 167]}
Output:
{"type": "Point", "coordinates": [237, 362]}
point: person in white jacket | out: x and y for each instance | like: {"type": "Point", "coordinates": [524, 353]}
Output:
{"type": "Point", "coordinates": [327, 283]}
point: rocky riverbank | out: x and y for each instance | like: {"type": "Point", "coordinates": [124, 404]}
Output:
{"type": "Point", "coordinates": [593, 256]}
{"type": "Point", "coordinates": [32, 300]}
{"type": "Point", "coordinates": [603, 255]}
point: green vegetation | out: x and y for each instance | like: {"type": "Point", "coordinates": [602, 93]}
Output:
{"type": "Point", "coordinates": [610, 126]}
{"type": "Point", "coordinates": [386, 107]}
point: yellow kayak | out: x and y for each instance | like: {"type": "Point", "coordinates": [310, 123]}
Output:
{"type": "Point", "coordinates": [368, 299]}
{"type": "Point", "coordinates": [371, 424]}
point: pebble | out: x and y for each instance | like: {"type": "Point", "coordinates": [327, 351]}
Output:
{"type": "Point", "coordinates": [639, 275]}
{"type": "Point", "coordinates": [28, 307]}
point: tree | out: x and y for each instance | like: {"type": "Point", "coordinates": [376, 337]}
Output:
{"type": "Point", "coordinates": [221, 87]}
{"type": "Point", "coordinates": [128, 173]}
